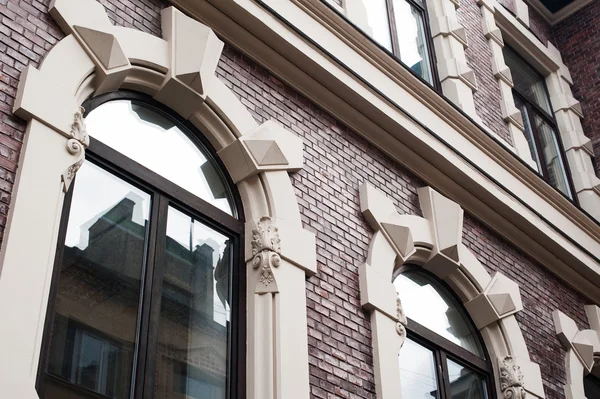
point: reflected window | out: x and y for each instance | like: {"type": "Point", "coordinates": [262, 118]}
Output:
{"type": "Point", "coordinates": [143, 299]}
{"type": "Point", "coordinates": [532, 99]}
{"type": "Point", "coordinates": [443, 357]}
{"type": "Point", "coordinates": [400, 26]}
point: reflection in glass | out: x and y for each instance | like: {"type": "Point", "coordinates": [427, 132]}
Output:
{"type": "Point", "coordinates": [418, 378]}
{"type": "Point", "coordinates": [557, 174]}
{"type": "Point", "coordinates": [96, 309]}
{"type": "Point", "coordinates": [410, 31]}
{"type": "Point", "coordinates": [377, 18]}
{"type": "Point", "coordinates": [465, 383]}
{"type": "Point", "coordinates": [193, 333]}
{"type": "Point", "coordinates": [591, 385]}
{"type": "Point", "coordinates": [427, 303]}
{"type": "Point", "coordinates": [527, 80]}
{"type": "Point", "coordinates": [151, 139]}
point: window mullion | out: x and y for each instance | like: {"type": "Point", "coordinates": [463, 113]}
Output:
{"type": "Point", "coordinates": [443, 378]}
{"type": "Point", "coordinates": [153, 294]}
{"type": "Point", "coordinates": [393, 31]}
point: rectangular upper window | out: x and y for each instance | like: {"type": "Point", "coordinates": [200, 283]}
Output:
{"type": "Point", "coordinates": [532, 99]}
{"type": "Point", "coordinates": [400, 26]}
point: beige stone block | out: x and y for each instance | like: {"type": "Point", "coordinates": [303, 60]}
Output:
{"type": "Point", "coordinates": [195, 49]}
{"type": "Point", "coordinates": [593, 316]}
{"type": "Point", "coordinates": [298, 246]}
{"type": "Point", "coordinates": [522, 12]}
{"type": "Point", "coordinates": [374, 205]}
{"type": "Point", "coordinates": [565, 327]}
{"type": "Point", "coordinates": [532, 377]}
{"type": "Point", "coordinates": [382, 256]}
{"type": "Point", "coordinates": [446, 218]}
{"type": "Point", "coordinates": [105, 47]}
{"type": "Point", "coordinates": [386, 346]}
{"type": "Point", "coordinates": [377, 291]}
{"type": "Point", "coordinates": [229, 108]}
{"type": "Point", "coordinates": [400, 237]}
{"type": "Point", "coordinates": [143, 49]}
{"type": "Point", "coordinates": [88, 13]}
{"type": "Point", "coordinates": [473, 268]}
{"type": "Point", "coordinates": [500, 299]}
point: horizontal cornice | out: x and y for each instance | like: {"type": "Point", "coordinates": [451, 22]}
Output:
{"type": "Point", "coordinates": [334, 86]}
{"type": "Point", "coordinates": [560, 15]}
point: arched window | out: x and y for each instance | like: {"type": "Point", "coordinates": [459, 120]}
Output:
{"type": "Point", "coordinates": [443, 356]}
{"type": "Point", "coordinates": [591, 384]}
{"type": "Point", "coordinates": [148, 284]}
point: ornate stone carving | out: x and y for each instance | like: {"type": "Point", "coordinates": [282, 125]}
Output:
{"type": "Point", "coordinates": [266, 250]}
{"type": "Point", "coordinates": [402, 321]}
{"type": "Point", "coordinates": [511, 379]}
{"type": "Point", "coordinates": [76, 145]}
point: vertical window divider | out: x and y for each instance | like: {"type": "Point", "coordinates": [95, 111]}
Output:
{"type": "Point", "coordinates": [153, 316]}
{"type": "Point", "coordinates": [393, 28]}
{"type": "Point", "coordinates": [445, 377]}
{"type": "Point", "coordinates": [141, 353]}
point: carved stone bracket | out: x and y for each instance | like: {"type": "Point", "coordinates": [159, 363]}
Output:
{"type": "Point", "coordinates": [402, 321]}
{"type": "Point", "coordinates": [511, 379]}
{"type": "Point", "coordinates": [76, 145]}
{"type": "Point", "coordinates": [266, 250]}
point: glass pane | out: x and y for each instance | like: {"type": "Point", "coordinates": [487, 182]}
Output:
{"type": "Point", "coordinates": [527, 80]}
{"type": "Point", "coordinates": [377, 18]}
{"type": "Point", "coordinates": [528, 132]}
{"type": "Point", "coordinates": [427, 303]}
{"type": "Point", "coordinates": [591, 385]}
{"type": "Point", "coordinates": [411, 38]}
{"type": "Point", "coordinates": [153, 140]}
{"type": "Point", "coordinates": [557, 175]}
{"type": "Point", "coordinates": [194, 329]}
{"type": "Point", "coordinates": [465, 383]}
{"type": "Point", "coordinates": [418, 377]}
{"type": "Point", "coordinates": [96, 309]}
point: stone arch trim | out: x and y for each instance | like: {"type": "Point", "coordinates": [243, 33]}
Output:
{"type": "Point", "coordinates": [583, 349]}
{"type": "Point", "coordinates": [435, 243]}
{"type": "Point", "coordinates": [94, 58]}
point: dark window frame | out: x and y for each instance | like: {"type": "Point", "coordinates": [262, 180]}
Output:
{"type": "Point", "coordinates": [443, 348]}
{"type": "Point", "coordinates": [396, 51]}
{"type": "Point", "coordinates": [535, 109]}
{"type": "Point", "coordinates": [164, 194]}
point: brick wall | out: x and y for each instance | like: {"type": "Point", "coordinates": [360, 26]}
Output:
{"type": "Point", "coordinates": [578, 39]}
{"type": "Point", "coordinates": [540, 28]}
{"type": "Point", "coordinates": [337, 161]}
{"type": "Point", "coordinates": [27, 32]}
{"type": "Point", "coordinates": [479, 59]}
{"type": "Point", "coordinates": [509, 5]}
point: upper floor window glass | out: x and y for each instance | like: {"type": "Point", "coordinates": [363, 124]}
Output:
{"type": "Point", "coordinates": [144, 301]}
{"type": "Point", "coordinates": [443, 356]}
{"type": "Point", "coordinates": [532, 99]}
{"type": "Point", "coordinates": [401, 27]}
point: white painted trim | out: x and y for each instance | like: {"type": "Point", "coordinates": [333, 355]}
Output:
{"type": "Point", "coordinates": [435, 243]}
{"type": "Point", "coordinates": [49, 98]}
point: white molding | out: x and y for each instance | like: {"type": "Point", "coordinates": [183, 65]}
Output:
{"type": "Point", "coordinates": [562, 14]}
{"type": "Point", "coordinates": [49, 99]}
{"type": "Point", "coordinates": [491, 301]}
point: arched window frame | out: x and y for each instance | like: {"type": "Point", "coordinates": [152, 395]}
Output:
{"type": "Point", "coordinates": [443, 348]}
{"type": "Point", "coordinates": [164, 195]}
{"type": "Point", "coordinates": [434, 242]}
{"type": "Point", "coordinates": [49, 100]}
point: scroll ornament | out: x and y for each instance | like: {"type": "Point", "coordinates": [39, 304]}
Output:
{"type": "Point", "coordinates": [266, 250]}
{"type": "Point", "coordinates": [511, 379]}
{"type": "Point", "coordinates": [76, 145]}
{"type": "Point", "coordinates": [402, 321]}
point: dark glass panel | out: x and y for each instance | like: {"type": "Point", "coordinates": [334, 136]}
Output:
{"type": "Point", "coordinates": [465, 383]}
{"type": "Point", "coordinates": [557, 174]}
{"type": "Point", "coordinates": [591, 385]}
{"type": "Point", "coordinates": [418, 377]}
{"type": "Point", "coordinates": [427, 302]}
{"type": "Point", "coordinates": [153, 140]}
{"type": "Point", "coordinates": [194, 320]}
{"type": "Point", "coordinates": [410, 30]}
{"type": "Point", "coordinates": [527, 80]}
{"type": "Point", "coordinates": [94, 332]}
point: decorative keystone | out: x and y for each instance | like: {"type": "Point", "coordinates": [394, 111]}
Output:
{"type": "Point", "coordinates": [269, 147]}
{"type": "Point", "coordinates": [446, 219]}
{"type": "Point", "coordinates": [194, 53]}
{"type": "Point", "coordinates": [501, 298]}
{"type": "Point", "coordinates": [266, 250]}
